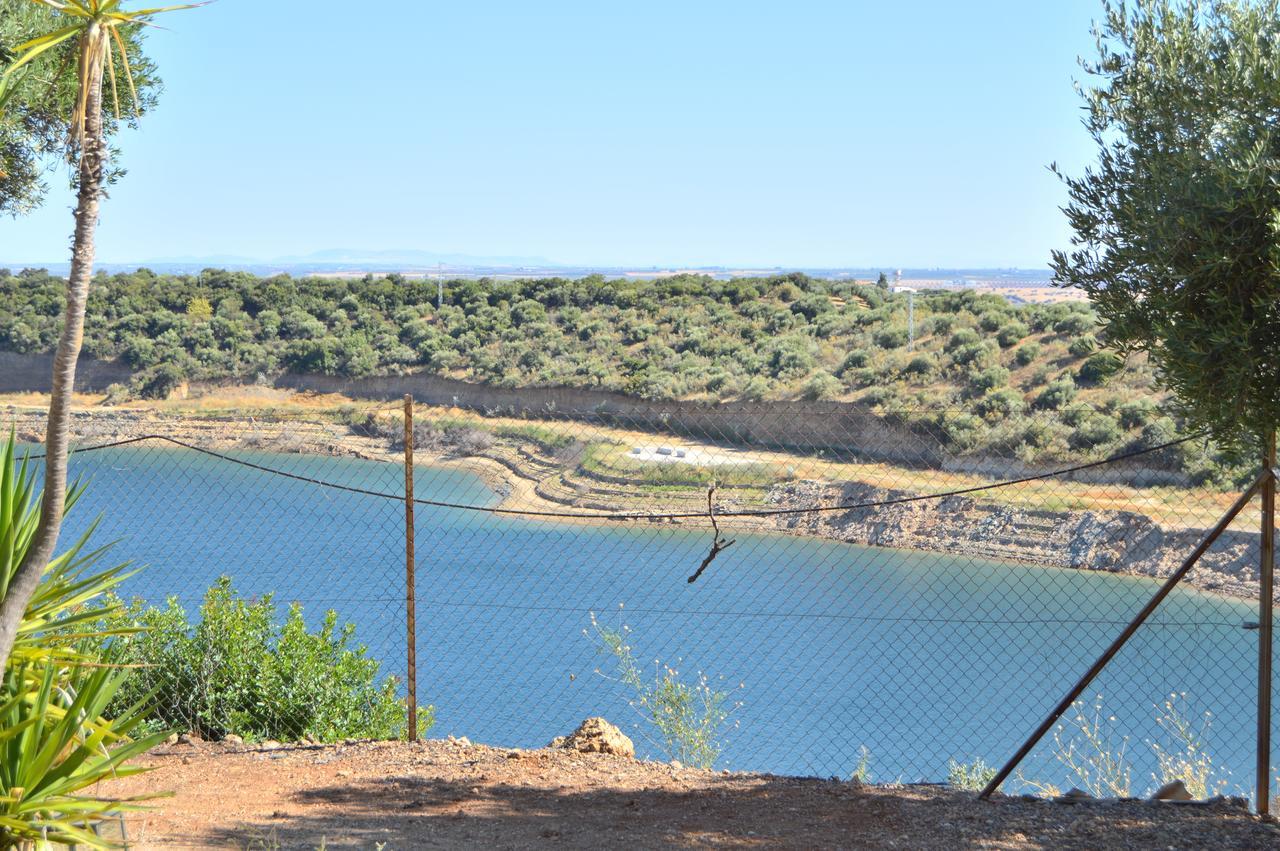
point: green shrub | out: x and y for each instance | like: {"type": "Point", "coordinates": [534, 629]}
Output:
{"type": "Point", "coordinates": [689, 718]}
{"type": "Point", "coordinates": [1076, 323]}
{"type": "Point", "coordinates": [922, 365]}
{"type": "Point", "coordinates": [243, 669]}
{"type": "Point", "coordinates": [989, 379]}
{"type": "Point", "coordinates": [822, 386]}
{"type": "Point", "coordinates": [1011, 334]}
{"type": "Point", "coordinates": [1026, 354]}
{"type": "Point", "coordinates": [856, 359]}
{"type": "Point", "coordinates": [1098, 429]}
{"type": "Point", "coordinates": [57, 740]}
{"type": "Point", "coordinates": [1058, 394]}
{"type": "Point", "coordinates": [159, 382]}
{"type": "Point", "coordinates": [969, 777]}
{"type": "Point", "coordinates": [1000, 404]}
{"type": "Point", "coordinates": [891, 338]}
{"type": "Point", "coordinates": [1083, 346]}
{"type": "Point", "coordinates": [962, 338]}
{"type": "Point", "coordinates": [1136, 413]}
{"type": "Point", "coordinates": [1098, 368]}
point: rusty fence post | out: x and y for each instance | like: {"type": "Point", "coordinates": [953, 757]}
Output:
{"type": "Point", "coordinates": [410, 605]}
{"type": "Point", "coordinates": [1266, 597]}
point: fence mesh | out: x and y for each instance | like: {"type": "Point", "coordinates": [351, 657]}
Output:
{"type": "Point", "coordinates": [843, 625]}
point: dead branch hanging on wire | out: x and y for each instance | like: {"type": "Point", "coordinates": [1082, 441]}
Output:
{"type": "Point", "coordinates": [718, 543]}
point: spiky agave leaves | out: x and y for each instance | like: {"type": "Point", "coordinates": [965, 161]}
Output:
{"type": "Point", "coordinates": [54, 744]}
{"type": "Point", "coordinates": [55, 740]}
{"type": "Point", "coordinates": [64, 611]}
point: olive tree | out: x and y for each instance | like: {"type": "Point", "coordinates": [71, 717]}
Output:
{"type": "Point", "coordinates": [1177, 224]}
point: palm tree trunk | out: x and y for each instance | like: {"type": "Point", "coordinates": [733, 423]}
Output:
{"type": "Point", "coordinates": [24, 581]}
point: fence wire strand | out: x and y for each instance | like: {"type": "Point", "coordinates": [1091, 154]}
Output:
{"type": "Point", "coordinates": [897, 600]}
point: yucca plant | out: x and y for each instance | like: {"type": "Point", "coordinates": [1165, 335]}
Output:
{"type": "Point", "coordinates": [101, 53]}
{"type": "Point", "coordinates": [55, 738]}
{"type": "Point", "coordinates": [54, 744]}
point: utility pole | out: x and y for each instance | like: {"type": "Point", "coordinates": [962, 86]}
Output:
{"type": "Point", "coordinates": [439, 286]}
{"type": "Point", "coordinates": [911, 308]}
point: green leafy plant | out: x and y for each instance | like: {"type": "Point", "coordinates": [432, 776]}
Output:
{"type": "Point", "coordinates": [56, 742]}
{"type": "Point", "coordinates": [970, 776]}
{"type": "Point", "coordinates": [242, 668]}
{"type": "Point", "coordinates": [862, 771]}
{"type": "Point", "coordinates": [57, 739]}
{"type": "Point", "coordinates": [689, 717]}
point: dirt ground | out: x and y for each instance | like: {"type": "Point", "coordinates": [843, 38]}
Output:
{"type": "Point", "coordinates": [441, 794]}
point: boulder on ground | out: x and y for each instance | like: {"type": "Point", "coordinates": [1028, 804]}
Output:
{"type": "Point", "coordinates": [596, 735]}
{"type": "Point", "coordinates": [1174, 790]}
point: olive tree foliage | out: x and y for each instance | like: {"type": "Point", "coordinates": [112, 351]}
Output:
{"type": "Point", "coordinates": [1177, 224]}
{"type": "Point", "coordinates": [34, 140]}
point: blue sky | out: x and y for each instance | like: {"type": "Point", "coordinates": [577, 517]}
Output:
{"type": "Point", "coordinates": [697, 132]}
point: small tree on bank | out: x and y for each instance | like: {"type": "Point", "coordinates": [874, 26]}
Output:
{"type": "Point", "coordinates": [1177, 225]}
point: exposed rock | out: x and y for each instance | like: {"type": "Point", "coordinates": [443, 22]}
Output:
{"type": "Point", "coordinates": [1174, 790]}
{"type": "Point", "coordinates": [1113, 541]}
{"type": "Point", "coordinates": [596, 735]}
{"type": "Point", "coordinates": [189, 739]}
{"type": "Point", "coordinates": [1075, 795]}
{"type": "Point", "coordinates": [232, 739]}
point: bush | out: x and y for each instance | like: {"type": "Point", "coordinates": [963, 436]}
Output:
{"type": "Point", "coordinates": [57, 740]}
{"type": "Point", "coordinates": [1057, 395]}
{"type": "Point", "coordinates": [1076, 323]}
{"type": "Point", "coordinates": [1097, 429]}
{"type": "Point", "coordinates": [969, 777]}
{"type": "Point", "coordinates": [1025, 354]}
{"type": "Point", "coordinates": [159, 382]}
{"type": "Point", "coordinates": [962, 338]}
{"type": "Point", "coordinates": [242, 669]}
{"type": "Point", "coordinates": [823, 385]}
{"type": "Point", "coordinates": [1136, 413]}
{"type": "Point", "coordinates": [856, 359]}
{"type": "Point", "coordinates": [1011, 334]}
{"type": "Point", "coordinates": [921, 364]}
{"type": "Point", "coordinates": [1098, 368]}
{"type": "Point", "coordinates": [891, 338]}
{"type": "Point", "coordinates": [1000, 404]}
{"type": "Point", "coordinates": [1083, 346]}
{"type": "Point", "coordinates": [689, 718]}
{"type": "Point", "coordinates": [989, 379]}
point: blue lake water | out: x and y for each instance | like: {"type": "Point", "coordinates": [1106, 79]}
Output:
{"type": "Point", "coordinates": [830, 648]}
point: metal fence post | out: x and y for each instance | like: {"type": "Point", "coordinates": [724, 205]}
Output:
{"type": "Point", "coordinates": [1266, 595]}
{"type": "Point", "coordinates": [411, 625]}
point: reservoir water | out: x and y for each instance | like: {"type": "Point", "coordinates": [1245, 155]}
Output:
{"type": "Point", "coordinates": [829, 648]}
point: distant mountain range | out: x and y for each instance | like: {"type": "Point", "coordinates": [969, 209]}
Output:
{"type": "Point", "coordinates": [356, 257]}
{"type": "Point", "coordinates": [345, 261]}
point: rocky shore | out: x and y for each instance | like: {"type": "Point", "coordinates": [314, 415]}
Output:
{"type": "Point", "coordinates": [1123, 542]}
{"type": "Point", "coordinates": [1113, 541]}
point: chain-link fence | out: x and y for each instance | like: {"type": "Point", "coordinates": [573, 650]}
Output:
{"type": "Point", "coordinates": [875, 595]}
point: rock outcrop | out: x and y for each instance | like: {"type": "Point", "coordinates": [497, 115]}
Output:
{"type": "Point", "coordinates": [596, 735]}
{"type": "Point", "coordinates": [1113, 541]}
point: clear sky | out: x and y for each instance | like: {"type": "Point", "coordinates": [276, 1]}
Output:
{"type": "Point", "coordinates": [668, 132]}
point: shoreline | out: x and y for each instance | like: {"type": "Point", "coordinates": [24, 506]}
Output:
{"type": "Point", "coordinates": [1121, 542]}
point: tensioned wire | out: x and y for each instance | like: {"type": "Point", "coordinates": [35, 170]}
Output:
{"type": "Point", "coordinates": [634, 515]}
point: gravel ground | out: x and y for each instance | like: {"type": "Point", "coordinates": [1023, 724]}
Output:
{"type": "Point", "coordinates": [442, 794]}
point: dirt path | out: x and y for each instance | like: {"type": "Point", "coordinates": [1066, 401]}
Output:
{"type": "Point", "coordinates": [440, 794]}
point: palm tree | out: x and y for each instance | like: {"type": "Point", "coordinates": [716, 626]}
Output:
{"type": "Point", "coordinates": [94, 28]}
